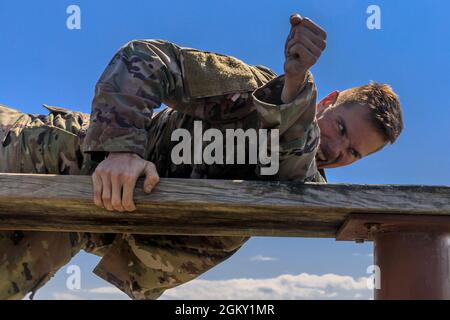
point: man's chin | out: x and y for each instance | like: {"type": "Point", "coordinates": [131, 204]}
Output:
{"type": "Point", "coordinates": [320, 165]}
{"type": "Point", "coordinates": [325, 165]}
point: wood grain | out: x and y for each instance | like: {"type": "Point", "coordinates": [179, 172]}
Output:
{"type": "Point", "coordinates": [209, 207]}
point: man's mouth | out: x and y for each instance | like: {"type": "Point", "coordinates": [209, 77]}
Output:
{"type": "Point", "coordinates": [323, 160]}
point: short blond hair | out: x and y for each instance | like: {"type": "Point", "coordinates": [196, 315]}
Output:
{"type": "Point", "coordinates": [384, 103]}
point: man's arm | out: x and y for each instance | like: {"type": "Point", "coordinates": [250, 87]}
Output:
{"type": "Point", "coordinates": [288, 103]}
{"type": "Point", "coordinates": [298, 129]}
{"type": "Point", "coordinates": [304, 46]}
{"type": "Point", "coordinates": [141, 76]}
{"type": "Point", "coordinates": [145, 73]}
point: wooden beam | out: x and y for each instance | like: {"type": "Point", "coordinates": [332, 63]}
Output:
{"type": "Point", "coordinates": [208, 207]}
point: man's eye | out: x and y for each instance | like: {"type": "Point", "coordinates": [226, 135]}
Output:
{"type": "Point", "coordinates": [354, 153]}
{"type": "Point", "coordinates": [341, 129]}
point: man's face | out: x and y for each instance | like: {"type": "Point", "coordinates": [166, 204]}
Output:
{"type": "Point", "coordinates": [346, 134]}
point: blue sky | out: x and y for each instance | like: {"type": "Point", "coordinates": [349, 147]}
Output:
{"type": "Point", "coordinates": [44, 62]}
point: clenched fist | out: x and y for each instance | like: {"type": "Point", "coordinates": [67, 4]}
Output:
{"type": "Point", "coordinates": [304, 46]}
{"type": "Point", "coordinates": [115, 178]}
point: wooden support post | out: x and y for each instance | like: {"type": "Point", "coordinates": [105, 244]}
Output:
{"type": "Point", "coordinates": [412, 254]}
{"type": "Point", "coordinates": [413, 265]}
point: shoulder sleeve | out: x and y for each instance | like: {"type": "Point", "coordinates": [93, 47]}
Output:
{"type": "Point", "coordinates": [141, 76]}
{"type": "Point", "coordinates": [297, 125]}
{"type": "Point", "coordinates": [146, 73]}
{"type": "Point", "coordinates": [208, 74]}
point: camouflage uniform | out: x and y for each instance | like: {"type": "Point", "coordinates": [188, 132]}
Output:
{"type": "Point", "coordinates": [221, 91]}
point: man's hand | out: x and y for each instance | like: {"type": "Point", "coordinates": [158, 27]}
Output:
{"type": "Point", "coordinates": [304, 46]}
{"type": "Point", "coordinates": [115, 179]}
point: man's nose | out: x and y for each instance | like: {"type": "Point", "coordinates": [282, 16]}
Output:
{"type": "Point", "coordinates": [337, 147]}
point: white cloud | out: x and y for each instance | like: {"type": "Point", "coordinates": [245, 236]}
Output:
{"type": "Point", "coordinates": [105, 290]}
{"type": "Point", "coordinates": [283, 287]}
{"type": "Point", "coordinates": [100, 293]}
{"type": "Point", "coordinates": [65, 296]}
{"type": "Point", "coordinates": [357, 254]}
{"type": "Point", "coordinates": [302, 286]}
{"type": "Point", "coordinates": [260, 257]}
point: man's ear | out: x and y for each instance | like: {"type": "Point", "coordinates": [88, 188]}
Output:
{"type": "Point", "coordinates": [328, 100]}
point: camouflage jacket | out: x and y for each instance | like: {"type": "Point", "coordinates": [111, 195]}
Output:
{"type": "Point", "coordinates": [220, 90]}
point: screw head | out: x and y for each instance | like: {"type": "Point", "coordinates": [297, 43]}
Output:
{"type": "Point", "coordinates": [372, 227]}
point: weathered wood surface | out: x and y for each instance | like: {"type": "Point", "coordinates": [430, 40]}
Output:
{"type": "Point", "coordinates": [208, 207]}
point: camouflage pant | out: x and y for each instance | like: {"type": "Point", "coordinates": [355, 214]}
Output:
{"type": "Point", "coordinates": [141, 266]}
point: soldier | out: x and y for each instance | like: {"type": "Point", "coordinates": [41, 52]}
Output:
{"type": "Point", "coordinates": [123, 140]}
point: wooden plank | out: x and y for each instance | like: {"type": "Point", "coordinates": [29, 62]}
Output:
{"type": "Point", "coordinates": [208, 207]}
